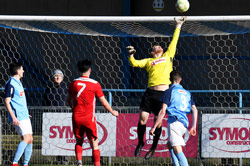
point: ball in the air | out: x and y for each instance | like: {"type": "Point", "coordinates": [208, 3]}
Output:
{"type": "Point", "coordinates": [182, 5]}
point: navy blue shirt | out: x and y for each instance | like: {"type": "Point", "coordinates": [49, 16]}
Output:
{"type": "Point", "coordinates": [179, 102]}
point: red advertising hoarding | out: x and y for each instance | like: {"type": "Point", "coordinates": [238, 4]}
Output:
{"type": "Point", "coordinates": [126, 139]}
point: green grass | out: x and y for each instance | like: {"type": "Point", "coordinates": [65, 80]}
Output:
{"type": "Point", "coordinates": [10, 142]}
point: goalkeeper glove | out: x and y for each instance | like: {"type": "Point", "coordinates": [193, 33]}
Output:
{"type": "Point", "coordinates": [130, 50]}
{"type": "Point", "coordinates": [180, 21]}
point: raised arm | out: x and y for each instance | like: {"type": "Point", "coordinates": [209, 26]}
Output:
{"type": "Point", "coordinates": [133, 62]}
{"type": "Point", "coordinates": [107, 106]}
{"type": "Point", "coordinates": [192, 131]}
{"type": "Point", "coordinates": [172, 46]}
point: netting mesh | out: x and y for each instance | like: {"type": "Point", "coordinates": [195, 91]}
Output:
{"type": "Point", "coordinates": [209, 60]}
{"type": "Point", "coordinates": [213, 56]}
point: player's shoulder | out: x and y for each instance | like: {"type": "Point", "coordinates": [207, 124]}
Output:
{"type": "Point", "coordinates": [11, 82]}
{"type": "Point", "coordinates": [179, 89]}
{"type": "Point", "coordinates": [169, 91]}
{"type": "Point", "coordinates": [8, 82]}
{"type": "Point", "coordinates": [85, 79]}
{"type": "Point", "coordinates": [182, 90]}
{"type": "Point", "coordinates": [165, 54]}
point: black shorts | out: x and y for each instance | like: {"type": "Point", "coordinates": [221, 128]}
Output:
{"type": "Point", "coordinates": [151, 101]}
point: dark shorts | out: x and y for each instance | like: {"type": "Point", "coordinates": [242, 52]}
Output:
{"type": "Point", "coordinates": [151, 101]}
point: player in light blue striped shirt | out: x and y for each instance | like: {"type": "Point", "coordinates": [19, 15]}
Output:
{"type": "Point", "coordinates": [178, 102]}
{"type": "Point", "coordinates": [16, 105]}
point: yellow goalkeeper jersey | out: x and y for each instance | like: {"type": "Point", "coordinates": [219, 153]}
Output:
{"type": "Point", "coordinates": [159, 69]}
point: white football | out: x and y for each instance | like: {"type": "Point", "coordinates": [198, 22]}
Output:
{"type": "Point", "coordinates": [182, 5]}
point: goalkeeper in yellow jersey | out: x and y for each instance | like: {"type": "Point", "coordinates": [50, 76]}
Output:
{"type": "Point", "coordinates": [158, 68]}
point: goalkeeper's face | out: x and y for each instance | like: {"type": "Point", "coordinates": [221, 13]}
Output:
{"type": "Point", "coordinates": [157, 51]}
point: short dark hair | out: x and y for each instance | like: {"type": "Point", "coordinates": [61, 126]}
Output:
{"type": "Point", "coordinates": [14, 67]}
{"type": "Point", "coordinates": [83, 65]}
{"type": "Point", "coordinates": [175, 75]}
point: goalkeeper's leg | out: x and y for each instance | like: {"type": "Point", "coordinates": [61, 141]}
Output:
{"type": "Point", "coordinates": [156, 138]}
{"type": "Point", "coordinates": [141, 128]}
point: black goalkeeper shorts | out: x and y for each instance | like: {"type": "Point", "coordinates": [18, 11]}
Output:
{"type": "Point", "coordinates": [151, 101]}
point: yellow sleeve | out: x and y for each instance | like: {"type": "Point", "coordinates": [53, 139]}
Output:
{"type": "Point", "coordinates": [172, 46]}
{"type": "Point", "coordinates": [137, 63]}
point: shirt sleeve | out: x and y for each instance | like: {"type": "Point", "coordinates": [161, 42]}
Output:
{"type": "Point", "coordinates": [137, 63]}
{"type": "Point", "coordinates": [9, 90]}
{"type": "Point", "coordinates": [99, 92]}
{"type": "Point", "coordinates": [172, 46]}
{"type": "Point", "coordinates": [166, 97]}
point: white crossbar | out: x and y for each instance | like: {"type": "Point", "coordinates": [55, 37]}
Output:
{"type": "Point", "coordinates": [121, 18]}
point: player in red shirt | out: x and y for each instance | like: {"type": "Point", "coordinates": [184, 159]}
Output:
{"type": "Point", "coordinates": [81, 98]}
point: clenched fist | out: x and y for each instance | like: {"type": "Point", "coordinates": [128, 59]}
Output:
{"type": "Point", "coordinates": [130, 50]}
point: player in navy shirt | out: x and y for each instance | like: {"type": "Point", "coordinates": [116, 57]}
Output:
{"type": "Point", "coordinates": [16, 105]}
{"type": "Point", "coordinates": [178, 102]}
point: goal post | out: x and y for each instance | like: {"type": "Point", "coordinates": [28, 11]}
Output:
{"type": "Point", "coordinates": [195, 25]}
{"type": "Point", "coordinates": [121, 18]}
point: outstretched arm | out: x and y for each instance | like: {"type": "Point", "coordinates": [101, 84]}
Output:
{"type": "Point", "coordinates": [172, 46]}
{"type": "Point", "coordinates": [107, 106]}
{"type": "Point", "coordinates": [192, 131]}
{"type": "Point", "coordinates": [133, 62]}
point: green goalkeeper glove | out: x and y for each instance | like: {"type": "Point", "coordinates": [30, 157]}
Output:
{"type": "Point", "coordinates": [130, 50]}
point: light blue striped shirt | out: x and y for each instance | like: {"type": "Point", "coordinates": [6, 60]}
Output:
{"type": "Point", "coordinates": [14, 89]}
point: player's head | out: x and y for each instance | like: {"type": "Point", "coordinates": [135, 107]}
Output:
{"type": "Point", "coordinates": [156, 51]}
{"type": "Point", "coordinates": [58, 76]}
{"type": "Point", "coordinates": [16, 68]}
{"type": "Point", "coordinates": [84, 66]}
{"type": "Point", "coordinates": [175, 77]}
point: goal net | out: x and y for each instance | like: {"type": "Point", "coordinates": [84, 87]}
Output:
{"type": "Point", "coordinates": [212, 53]}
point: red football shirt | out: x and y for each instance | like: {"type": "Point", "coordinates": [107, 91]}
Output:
{"type": "Point", "coordinates": [83, 90]}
